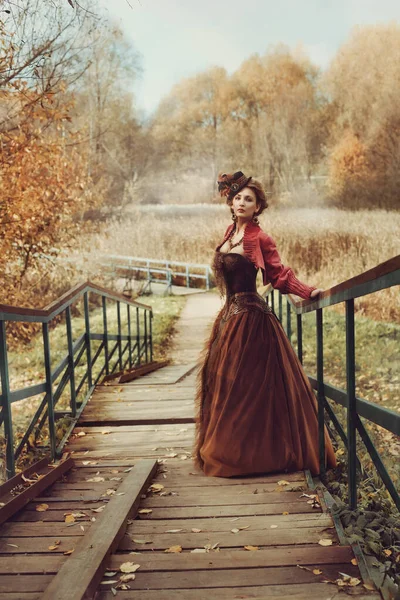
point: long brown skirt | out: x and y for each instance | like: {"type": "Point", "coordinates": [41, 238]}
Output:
{"type": "Point", "coordinates": [255, 408]}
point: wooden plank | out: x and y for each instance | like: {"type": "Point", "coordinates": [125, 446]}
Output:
{"type": "Point", "coordinates": [17, 565]}
{"type": "Point", "coordinates": [24, 583]}
{"type": "Point", "coordinates": [42, 529]}
{"type": "Point", "coordinates": [11, 483]}
{"type": "Point", "coordinates": [91, 554]}
{"type": "Point", "coordinates": [265, 557]}
{"type": "Point", "coordinates": [235, 510]}
{"type": "Point", "coordinates": [13, 504]}
{"type": "Point", "coordinates": [223, 524]}
{"type": "Point", "coordinates": [235, 578]}
{"type": "Point", "coordinates": [223, 499]}
{"type": "Point", "coordinates": [134, 372]}
{"type": "Point", "coordinates": [162, 541]}
{"type": "Point", "coordinates": [308, 591]}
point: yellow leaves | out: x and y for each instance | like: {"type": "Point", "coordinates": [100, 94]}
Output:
{"type": "Point", "coordinates": [195, 530]}
{"type": "Point", "coordinates": [129, 567]}
{"type": "Point", "coordinates": [41, 507]}
{"type": "Point", "coordinates": [55, 545]}
{"type": "Point", "coordinates": [145, 511]}
{"type": "Point", "coordinates": [174, 549]}
{"type": "Point", "coordinates": [81, 434]}
{"type": "Point", "coordinates": [251, 548]}
{"type": "Point", "coordinates": [69, 519]}
{"type": "Point", "coordinates": [283, 482]}
{"type": "Point", "coordinates": [140, 541]}
{"type": "Point", "coordinates": [96, 479]}
{"type": "Point", "coordinates": [68, 552]}
{"type": "Point", "coordinates": [285, 512]}
{"type": "Point", "coordinates": [317, 571]}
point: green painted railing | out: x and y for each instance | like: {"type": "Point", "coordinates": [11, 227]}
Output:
{"type": "Point", "coordinates": [114, 352]}
{"type": "Point", "coordinates": [383, 276]}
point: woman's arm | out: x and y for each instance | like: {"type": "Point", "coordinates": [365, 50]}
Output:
{"type": "Point", "coordinates": [281, 277]}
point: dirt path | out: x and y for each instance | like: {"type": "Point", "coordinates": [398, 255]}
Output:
{"type": "Point", "coordinates": [193, 326]}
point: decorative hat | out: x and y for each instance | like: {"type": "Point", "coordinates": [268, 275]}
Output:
{"type": "Point", "coordinates": [229, 185]}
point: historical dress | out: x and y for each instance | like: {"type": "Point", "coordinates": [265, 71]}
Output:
{"type": "Point", "coordinates": [255, 409]}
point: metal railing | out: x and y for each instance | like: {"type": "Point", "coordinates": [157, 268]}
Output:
{"type": "Point", "coordinates": [158, 270]}
{"type": "Point", "coordinates": [383, 276]}
{"type": "Point", "coordinates": [115, 351]}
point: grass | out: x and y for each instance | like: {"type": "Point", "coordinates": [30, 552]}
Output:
{"type": "Point", "coordinates": [27, 364]}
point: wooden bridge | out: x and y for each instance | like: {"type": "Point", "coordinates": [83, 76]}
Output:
{"type": "Point", "coordinates": [125, 514]}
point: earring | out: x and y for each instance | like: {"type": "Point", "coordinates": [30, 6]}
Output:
{"type": "Point", "coordinates": [234, 217]}
{"type": "Point", "coordinates": [255, 218]}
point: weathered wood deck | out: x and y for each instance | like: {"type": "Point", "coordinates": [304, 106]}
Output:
{"type": "Point", "coordinates": [252, 537]}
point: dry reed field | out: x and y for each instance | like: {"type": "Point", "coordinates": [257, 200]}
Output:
{"type": "Point", "coordinates": [324, 246]}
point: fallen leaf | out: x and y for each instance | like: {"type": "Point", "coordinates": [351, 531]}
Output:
{"type": "Point", "coordinates": [235, 530]}
{"type": "Point", "coordinates": [195, 530]}
{"type": "Point", "coordinates": [325, 542]}
{"type": "Point", "coordinates": [69, 519]}
{"type": "Point", "coordinates": [354, 561]}
{"type": "Point", "coordinates": [283, 482]}
{"type": "Point", "coordinates": [273, 526]}
{"type": "Point", "coordinates": [156, 487]}
{"type": "Point", "coordinates": [110, 573]}
{"type": "Point", "coordinates": [145, 511]}
{"type": "Point", "coordinates": [105, 432]}
{"type": "Point", "coordinates": [174, 549]}
{"type": "Point", "coordinates": [252, 548]}
{"type": "Point", "coordinates": [98, 510]}
{"type": "Point", "coordinates": [108, 581]}
{"type": "Point", "coordinates": [81, 434]}
{"type": "Point", "coordinates": [128, 577]}
{"type": "Point", "coordinates": [141, 541]}
{"type": "Point", "coordinates": [173, 530]}
{"type": "Point", "coordinates": [95, 479]}
{"type": "Point", "coordinates": [68, 552]}
{"type": "Point", "coordinates": [198, 550]}
{"type": "Point", "coordinates": [128, 567]}
{"type": "Point", "coordinates": [317, 571]}
{"type": "Point", "coordinates": [42, 507]}
{"type": "Point", "coordinates": [285, 512]}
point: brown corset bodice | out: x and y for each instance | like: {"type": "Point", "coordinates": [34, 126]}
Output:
{"type": "Point", "coordinates": [234, 273]}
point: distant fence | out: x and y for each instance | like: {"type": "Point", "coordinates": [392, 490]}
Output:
{"type": "Point", "coordinates": [158, 271]}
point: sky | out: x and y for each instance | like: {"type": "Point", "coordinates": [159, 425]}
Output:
{"type": "Point", "coordinates": [179, 38]}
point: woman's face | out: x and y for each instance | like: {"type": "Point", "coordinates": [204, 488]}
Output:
{"type": "Point", "coordinates": [244, 204]}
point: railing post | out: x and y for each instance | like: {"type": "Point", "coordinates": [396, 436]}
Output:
{"type": "Point", "coordinates": [6, 406]}
{"type": "Point", "coordinates": [87, 339]}
{"type": "Point", "coordinates": [151, 335]}
{"type": "Point", "coordinates": [351, 404]}
{"type": "Point", "coordinates": [105, 334]}
{"type": "Point", "coordinates": [71, 365]}
{"type": "Point", "coordinates": [187, 276]}
{"type": "Point", "coordinates": [207, 278]}
{"type": "Point", "coordinates": [300, 337]}
{"type": "Point", "coordinates": [119, 335]}
{"type": "Point", "coordinates": [289, 321]}
{"type": "Point", "coordinates": [128, 316]}
{"type": "Point", "coordinates": [273, 301]}
{"type": "Point", "coordinates": [320, 390]}
{"type": "Point", "coordinates": [49, 389]}
{"type": "Point", "coordinates": [145, 336]}
{"type": "Point", "coordinates": [280, 306]}
{"type": "Point", "coordinates": [138, 335]}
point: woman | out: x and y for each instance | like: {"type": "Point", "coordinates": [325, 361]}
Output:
{"type": "Point", "coordinates": [256, 411]}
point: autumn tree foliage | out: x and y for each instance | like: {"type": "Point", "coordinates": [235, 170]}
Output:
{"type": "Point", "coordinates": [267, 117]}
{"type": "Point", "coordinates": [363, 84]}
{"type": "Point", "coordinates": [53, 159]}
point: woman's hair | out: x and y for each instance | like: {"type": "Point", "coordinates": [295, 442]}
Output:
{"type": "Point", "coordinates": [258, 189]}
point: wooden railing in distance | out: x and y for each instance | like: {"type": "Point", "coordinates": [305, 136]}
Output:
{"type": "Point", "coordinates": [158, 270]}
{"type": "Point", "coordinates": [382, 276]}
{"type": "Point", "coordinates": [115, 351]}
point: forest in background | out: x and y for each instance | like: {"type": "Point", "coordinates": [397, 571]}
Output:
{"type": "Point", "coordinates": [76, 154]}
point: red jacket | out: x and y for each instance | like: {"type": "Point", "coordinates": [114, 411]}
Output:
{"type": "Point", "coordinates": [261, 250]}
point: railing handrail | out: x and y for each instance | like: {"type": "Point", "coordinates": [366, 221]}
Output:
{"type": "Point", "coordinates": [384, 275]}
{"type": "Point", "coordinates": [16, 313]}
{"type": "Point", "coordinates": [158, 261]}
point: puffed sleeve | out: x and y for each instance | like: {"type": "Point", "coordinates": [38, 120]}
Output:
{"type": "Point", "coordinates": [281, 277]}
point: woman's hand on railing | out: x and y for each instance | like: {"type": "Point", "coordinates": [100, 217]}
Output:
{"type": "Point", "coordinates": [316, 292]}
